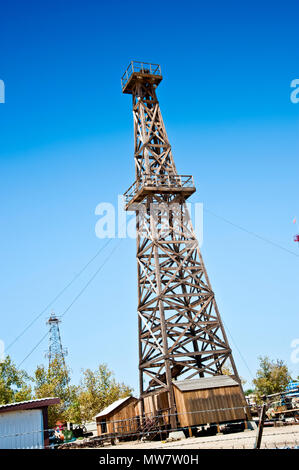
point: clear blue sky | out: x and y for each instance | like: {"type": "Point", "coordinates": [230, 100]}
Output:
{"type": "Point", "coordinates": [67, 144]}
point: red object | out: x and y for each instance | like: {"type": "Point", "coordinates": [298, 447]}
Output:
{"type": "Point", "coordinates": [296, 238]}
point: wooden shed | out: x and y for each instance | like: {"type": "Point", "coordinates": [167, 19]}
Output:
{"type": "Point", "coordinates": [155, 410]}
{"type": "Point", "coordinates": [213, 400]}
{"type": "Point", "coordinates": [121, 417]}
{"type": "Point", "coordinates": [157, 404]}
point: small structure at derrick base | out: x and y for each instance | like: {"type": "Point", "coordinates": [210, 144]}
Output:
{"type": "Point", "coordinates": [183, 347]}
{"type": "Point", "coordinates": [119, 417]}
{"type": "Point", "coordinates": [55, 350]}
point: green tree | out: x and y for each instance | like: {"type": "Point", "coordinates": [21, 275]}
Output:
{"type": "Point", "coordinates": [99, 389]}
{"type": "Point", "coordinates": [271, 377]}
{"type": "Point", "coordinates": [14, 383]}
{"type": "Point", "coordinates": [55, 382]}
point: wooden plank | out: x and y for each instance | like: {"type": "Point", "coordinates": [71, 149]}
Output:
{"type": "Point", "coordinates": [210, 405]}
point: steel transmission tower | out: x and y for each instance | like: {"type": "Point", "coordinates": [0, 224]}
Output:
{"type": "Point", "coordinates": [56, 351]}
{"type": "Point", "coordinates": [181, 334]}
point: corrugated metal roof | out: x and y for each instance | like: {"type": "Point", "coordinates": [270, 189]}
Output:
{"type": "Point", "coordinates": [112, 407]}
{"type": "Point", "coordinates": [29, 404]}
{"type": "Point", "coordinates": [205, 382]}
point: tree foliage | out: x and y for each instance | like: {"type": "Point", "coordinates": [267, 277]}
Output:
{"type": "Point", "coordinates": [14, 383]}
{"type": "Point", "coordinates": [55, 382]}
{"type": "Point", "coordinates": [99, 389]}
{"type": "Point", "coordinates": [271, 377]}
{"type": "Point", "coordinates": [79, 404]}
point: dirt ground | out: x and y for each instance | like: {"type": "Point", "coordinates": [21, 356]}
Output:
{"type": "Point", "coordinates": [272, 438]}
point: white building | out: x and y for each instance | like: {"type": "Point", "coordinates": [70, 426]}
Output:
{"type": "Point", "coordinates": [24, 425]}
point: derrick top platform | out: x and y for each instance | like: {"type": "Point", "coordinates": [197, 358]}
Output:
{"type": "Point", "coordinates": [140, 71]}
{"type": "Point", "coordinates": [158, 184]}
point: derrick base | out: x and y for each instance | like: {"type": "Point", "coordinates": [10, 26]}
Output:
{"type": "Point", "coordinates": [206, 401]}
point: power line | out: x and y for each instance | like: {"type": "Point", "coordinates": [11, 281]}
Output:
{"type": "Point", "coordinates": [58, 295]}
{"type": "Point", "coordinates": [236, 346]}
{"type": "Point", "coordinates": [253, 233]}
{"type": "Point", "coordinates": [75, 299]}
{"type": "Point", "coordinates": [277, 245]}
{"type": "Point", "coordinates": [32, 350]}
{"type": "Point", "coordinates": [92, 278]}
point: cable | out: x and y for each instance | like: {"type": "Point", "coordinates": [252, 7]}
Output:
{"type": "Point", "coordinates": [265, 240]}
{"type": "Point", "coordinates": [235, 344]}
{"type": "Point", "coordinates": [32, 350]}
{"type": "Point", "coordinates": [75, 299]}
{"type": "Point", "coordinates": [58, 295]}
{"type": "Point", "coordinates": [252, 233]}
{"type": "Point", "coordinates": [92, 278]}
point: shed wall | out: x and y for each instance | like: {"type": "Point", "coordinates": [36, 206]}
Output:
{"type": "Point", "coordinates": [157, 405]}
{"type": "Point", "coordinates": [27, 423]}
{"type": "Point", "coordinates": [190, 403]}
{"type": "Point", "coordinates": [122, 421]}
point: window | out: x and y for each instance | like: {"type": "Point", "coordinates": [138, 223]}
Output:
{"type": "Point", "coordinates": [103, 426]}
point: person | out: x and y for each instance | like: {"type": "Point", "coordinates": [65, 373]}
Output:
{"type": "Point", "coordinates": [58, 433]}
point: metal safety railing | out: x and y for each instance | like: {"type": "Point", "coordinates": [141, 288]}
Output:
{"type": "Point", "coordinates": [165, 181]}
{"type": "Point", "coordinates": [143, 67]}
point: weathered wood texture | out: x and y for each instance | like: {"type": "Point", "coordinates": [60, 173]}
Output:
{"type": "Point", "coordinates": [123, 420]}
{"type": "Point", "coordinates": [193, 405]}
{"type": "Point", "coordinates": [157, 405]}
{"type": "Point", "coordinates": [194, 408]}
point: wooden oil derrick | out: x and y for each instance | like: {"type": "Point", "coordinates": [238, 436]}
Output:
{"type": "Point", "coordinates": [181, 335]}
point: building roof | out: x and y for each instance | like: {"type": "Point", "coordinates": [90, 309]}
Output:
{"type": "Point", "coordinates": [29, 404]}
{"type": "Point", "coordinates": [113, 406]}
{"type": "Point", "coordinates": [205, 383]}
